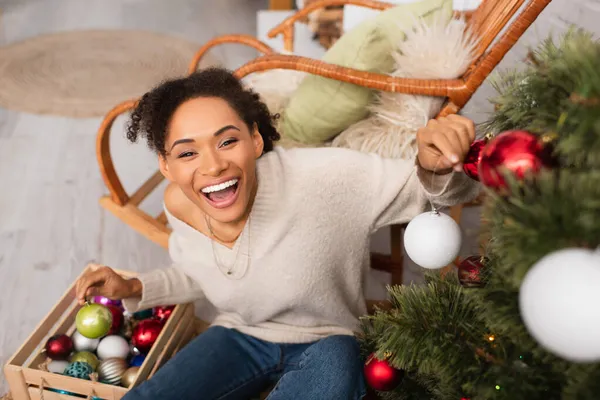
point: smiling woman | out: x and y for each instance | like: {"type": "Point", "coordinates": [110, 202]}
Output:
{"type": "Point", "coordinates": [285, 271]}
{"type": "Point", "coordinates": [212, 158]}
{"type": "Point", "coordinates": [216, 131]}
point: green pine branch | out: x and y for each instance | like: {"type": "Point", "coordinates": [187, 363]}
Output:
{"type": "Point", "coordinates": [558, 91]}
{"type": "Point", "coordinates": [435, 331]}
{"type": "Point", "coordinates": [555, 210]}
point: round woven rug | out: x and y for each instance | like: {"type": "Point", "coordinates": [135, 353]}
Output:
{"type": "Point", "coordinates": [86, 73]}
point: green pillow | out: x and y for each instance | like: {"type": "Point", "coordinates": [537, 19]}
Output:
{"type": "Point", "coordinates": [321, 108]}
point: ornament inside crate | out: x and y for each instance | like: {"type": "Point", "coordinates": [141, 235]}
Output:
{"type": "Point", "coordinates": [63, 359]}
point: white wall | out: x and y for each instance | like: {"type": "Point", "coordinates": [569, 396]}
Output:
{"type": "Point", "coordinates": [555, 19]}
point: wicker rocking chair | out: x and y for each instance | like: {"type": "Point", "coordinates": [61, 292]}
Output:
{"type": "Point", "coordinates": [487, 21]}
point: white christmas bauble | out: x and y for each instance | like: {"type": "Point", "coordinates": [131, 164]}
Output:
{"type": "Point", "coordinates": [57, 366]}
{"type": "Point", "coordinates": [559, 303]}
{"type": "Point", "coordinates": [82, 343]}
{"type": "Point", "coordinates": [432, 240]}
{"type": "Point", "coordinates": [113, 346]}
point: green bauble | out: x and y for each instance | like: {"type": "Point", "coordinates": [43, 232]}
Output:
{"type": "Point", "coordinates": [86, 357]}
{"type": "Point", "coordinates": [79, 370]}
{"type": "Point", "coordinates": [93, 320]}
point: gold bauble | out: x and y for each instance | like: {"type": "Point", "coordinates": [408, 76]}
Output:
{"type": "Point", "coordinates": [129, 376]}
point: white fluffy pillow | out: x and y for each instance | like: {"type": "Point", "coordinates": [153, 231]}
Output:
{"type": "Point", "coordinates": [442, 50]}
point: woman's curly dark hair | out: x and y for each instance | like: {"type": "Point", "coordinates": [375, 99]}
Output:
{"type": "Point", "coordinates": [152, 113]}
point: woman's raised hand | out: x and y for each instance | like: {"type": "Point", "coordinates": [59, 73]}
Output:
{"type": "Point", "coordinates": [101, 280]}
{"type": "Point", "coordinates": [444, 142]}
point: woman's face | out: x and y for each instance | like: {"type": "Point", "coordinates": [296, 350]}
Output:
{"type": "Point", "coordinates": [211, 155]}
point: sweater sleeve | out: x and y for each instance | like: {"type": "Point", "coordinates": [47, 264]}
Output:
{"type": "Point", "coordinates": [402, 189]}
{"type": "Point", "coordinates": [166, 286]}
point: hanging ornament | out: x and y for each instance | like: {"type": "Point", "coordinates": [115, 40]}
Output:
{"type": "Point", "coordinates": [518, 152]}
{"type": "Point", "coordinates": [82, 343]}
{"type": "Point", "coordinates": [145, 334]}
{"type": "Point", "coordinates": [57, 366]}
{"type": "Point", "coordinates": [58, 347]}
{"type": "Point", "coordinates": [470, 270]}
{"type": "Point", "coordinates": [107, 302]}
{"type": "Point", "coordinates": [93, 320]}
{"type": "Point", "coordinates": [162, 313]}
{"type": "Point", "coordinates": [129, 376]}
{"type": "Point", "coordinates": [117, 319]}
{"type": "Point", "coordinates": [559, 299]}
{"type": "Point", "coordinates": [79, 370]}
{"type": "Point", "coordinates": [432, 240]}
{"type": "Point", "coordinates": [111, 371]}
{"type": "Point", "coordinates": [380, 375]}
{"type": "Point", "coordinates": [113, 346]}
{"type": "Point", "coordinates": [473, 158]}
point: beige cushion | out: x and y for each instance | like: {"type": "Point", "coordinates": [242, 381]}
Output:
{"type": "Point", "coordinates": [321, 108]}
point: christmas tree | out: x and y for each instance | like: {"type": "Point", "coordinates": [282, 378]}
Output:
{"type": "Point", "coordinates": [522, 319]}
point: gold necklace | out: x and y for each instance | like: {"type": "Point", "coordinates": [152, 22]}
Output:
{"type": "Point", "coordinates": [229, 270]}
{"type": "Point", "coordinates": [215, 235]}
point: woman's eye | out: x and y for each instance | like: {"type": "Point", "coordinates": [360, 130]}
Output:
{"type": "Point", "coordinates": [228, 142]}
{"type": "Point", "coordinates": [185, 154]}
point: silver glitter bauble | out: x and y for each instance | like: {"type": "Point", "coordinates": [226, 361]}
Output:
{"type": "Point", "coordinates": [111, 370]}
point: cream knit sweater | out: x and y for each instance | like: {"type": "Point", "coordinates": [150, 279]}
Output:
{"type": "Point", "coordinates": [300, 264]}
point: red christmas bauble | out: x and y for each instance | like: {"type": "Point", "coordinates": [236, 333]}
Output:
{"type": "Point", "coordinates": [380, 375]}
{"type": "Point", "coordinates": [519, 152]}
{"type": "Point", "coordinates": [473, 158]}
{"type": "Point", "coordinates": [145, 334]}
{"type": "Point", "coordinates": [59, 347]}
{"type": "Point", "coordinates": [470, 270]}
{"type": "Point", "coordinates": [162, 313]}
{"type": "Point", "coordinates": [117, 319]}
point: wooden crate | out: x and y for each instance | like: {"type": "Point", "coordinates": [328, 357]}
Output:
{"type": "Point", "coordinates": [27, 381]}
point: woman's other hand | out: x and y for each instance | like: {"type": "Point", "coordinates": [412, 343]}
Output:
{"type": "Point", "coordinates": [444, 142]}
{"type": "Point", "coordinates": [101, 280]}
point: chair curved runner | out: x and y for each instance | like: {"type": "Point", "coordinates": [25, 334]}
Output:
{"type": "Point", "coordinates": [487, 22]}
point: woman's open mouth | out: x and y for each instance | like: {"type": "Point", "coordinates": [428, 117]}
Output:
{"type": "Point", "coordinates": [222, 195]}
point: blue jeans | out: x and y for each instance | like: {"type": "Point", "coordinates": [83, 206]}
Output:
{"type": "Point", "coordinates": [224, 364]}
